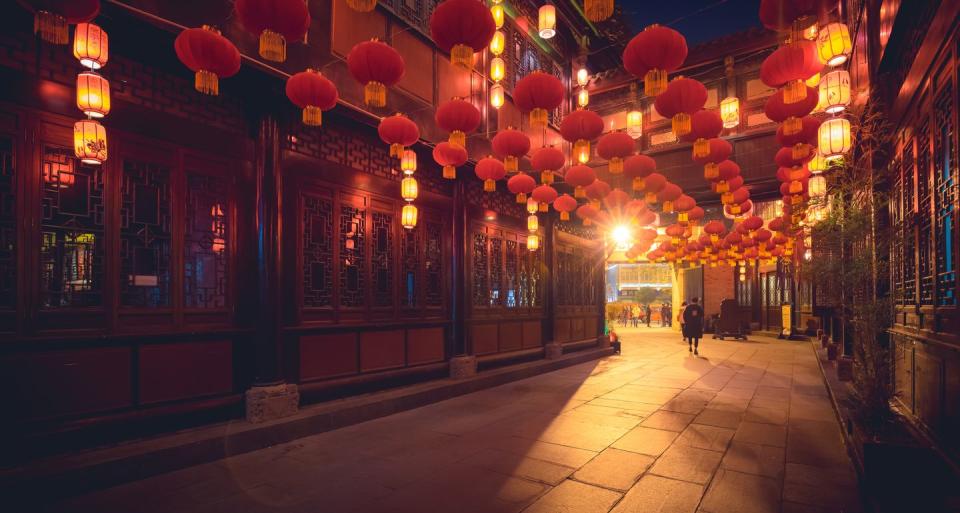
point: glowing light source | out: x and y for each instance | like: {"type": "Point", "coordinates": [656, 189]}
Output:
{"type": "Point", "coordinates": [93, 94]}
{"type": "Point", "coordinates": [834, 44]}
{"type": "Point", "coordinates": [496, 96]}
{"type": "Point", "coordinates": [533, 242]}
{"type": "Point", "coordinates": [622, 236]}
{"type": "Point", "coordinates": [635, 123]}
{"type": "Point", "coordinates": [835, 91]}
{"type": "Point", "coordinates": [817, 186]}
{"type": "Point", "coordinates": [730, 111]}
{"type": "Point", "coordinates": [90, 45]}
{"type": "Point", "coordinates": [408, 216]}
{"type": "Point", "coordinates": [497, 11]}
{"type": "Point", "coordinates": [582, 77]}
{"type": "Point", "coordinates": [818, 164]}
{"type": "Point", "coordinates": [90, 142]}
{"type": "Point", "coordinates": [547, 21]}
{"type": "Point", "coordinates": [408, 189]}
{"type": "Point", "coordinates": [498, 43]}
{"type": "Point", "coordinates": [408, 162]}
{"type": "Point", "coordinates": [834, 139]}
{"type": "Point", "coordinates": [581, 149]}
{"type": "Point", "coordinates": [583, 98]}
{"type": "Point", "coordinates": [533, 224]}
{"type": "Point", "coordinates": [532, 206]}
{"type": "Point", "coordinates": [497, 69]}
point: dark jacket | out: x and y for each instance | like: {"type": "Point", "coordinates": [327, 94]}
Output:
{"type": "Point", "coordinates": [693, 320]}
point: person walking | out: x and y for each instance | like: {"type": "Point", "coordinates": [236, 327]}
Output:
{"type": "Point", "coordinates": [683, 330]}
{"type": "Point", "coordinates": [664, 315]}
{"type": "Point", "coordinates": [636, 316]}
{"type": "Point", "coordinates": [647, 312]}
{"type": "Point", "coordinates": [693, 320]}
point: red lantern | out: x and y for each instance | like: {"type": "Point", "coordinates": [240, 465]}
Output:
{"type": "Point", "coordinates": [735, 197]}
{"type": "Point", "coordinates": [459, 117]}
{"type": "Point", "coordinates": [682, 98]}
{"type": "Point", "coordinates": [704, 126]}
{"type": "Point", "coordinates": [695, 214]}
{"type": "Point", "coordinates": [801, 143]}
{"type": "Point", "coordinates": [547, 160]}
{"type": "Point", "coordinates": [510, 145]}
{"type": "Point", "coordinates": [616, 200]}
{"type": "Point", "coordinates": [667, 195]}
{"type": "Point", "coordinates": [51, 18]}
{"type": "Point", "coordinates": [615, 147]}
{"type": "Point", "coordinates": [637, 168]}
{"type": "Point", "coordinates": [450, 156]}
{"type": "Point", "coordinates": [720, 150]}
{"type": "Point", "coordinates": [521, 184]}
{"type": "Point", "coordinates": [789, 67]}
{"type": "Point", "coordinates": [276, 22]}
{"type": "Point", "coordinates": [489, 170]}
{"type": "Point", "coordinates": [313, 93]}
{"type": "Point", "coordinates": [636, 208]}
{"type": "Point", "coordinates": [715, 228]}
{"type": "Point", "coordinates": [653, 183]}
{"type": "Point", "coordinates": [544, 195]}
{"type": "Point", "coordinates": [596, 191]}
{"type": "Point", "coordinates": [462, 27]}
{"type": "Point", "coordinates": [684, 203]}
{"type": "Point", "coordinates": [377, 66]}
{"type": "Point", "coordinates": [790, 114]}
{"type": "Point", "coordinates": [785, 159]}
{"type": "Point", "coordinates": [565, 204]}
{"type": "Point", "coordinates": [587, 213]}
{"type": "Point", "coordinates": [399, 132]}
{"type": "Point", "coordinates": [652, 54]}
{"type": "Point", "coordinates": [752, 223]}
{"type": "Point", "coordinates": [580, 127]}
{"type": "Point", "coordinates": [209, 55]}
{"type": "Point", "coordinates": [726, 171]}
{"type": "Point", "coordinates": [538, 93]}
{"type": "Point", "coordinates": [580, 177]}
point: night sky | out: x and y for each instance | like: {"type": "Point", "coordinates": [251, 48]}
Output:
{"type": "Point", "coordinates": [698, 20]}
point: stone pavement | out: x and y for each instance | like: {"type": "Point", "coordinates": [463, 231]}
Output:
{"type": "Point", "coordinates": [746, 427]}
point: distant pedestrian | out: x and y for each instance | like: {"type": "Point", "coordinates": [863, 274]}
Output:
{"type": "Point", "coordinates": [683, 330]}
{"type": "Point", "coordinates": [664, 315]}
{"type": "Point", "coordinates": [693, 319]}
{"type": "Point", "coordinates": [648, 313]}
{"type": "Point", "coordinates": [636, 316]}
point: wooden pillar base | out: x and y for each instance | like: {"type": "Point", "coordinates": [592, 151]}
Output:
{"type": "Point", "coordinates": [463, 366]}
{"type": "Point", "coordinates": [553, 350]}
{"type": "Point", "coordinates": [265, 403]}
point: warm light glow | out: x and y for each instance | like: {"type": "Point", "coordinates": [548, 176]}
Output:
{"type": "Point", "coordinates": [362, 5]}
{"type": "Point", "coordinates": [408, 216]}
{"type": "Point", "coordinates": [497, 69]}
{"type": "Point", "coordinates": [90, 142]}
{"type": "Point", "coordinates": [532, 206]}
{"type": "Point", "coordinates": [835, 91]}
{"type": "Point", "coordinates": [583, 98]}
{"type": "Point", "coordinates": [90, 45]}
{"type": "Point", "coordinates": [408, 163]}
{"type": "Point", "coordinates": [93, 94]}
{"type": "Point", "coordinates": [533, 224]}
{"type": "Point", "coordinates": [581, 149]}
{"type": "Point", "coordinates": [533, 242]}
{"type": "Point", "coordinates": [408, 189]}
{"type": "Point", "coordinates": [496, 96]}
{"type": "Point", "coordinates": [597, 10]}
{"type": "Point", "coordinates": [498, 43]}
{"type": "Point", "coordinates": [834, 44]}
{"type": "Point", "coordinates": [547, 22]}
{"type": "Point", "coordinates": [810, 33]}
{"type": "Point", "coordinates": [834, 139]}
{"type": "Point", "coordinates": [817, 186]}
{"type": "Point", "coordinates": [730, 111]}
{"type": "Point", "coordinates": [497, 11]}
{"type": "Point", "coordinates": [583, 77]}
{"type": "Point", "coordinates": [635, 123]}
{"type": "Point", "coordinates": [818, 164]}
{"type": "Point", "coordinates": [622, 236]}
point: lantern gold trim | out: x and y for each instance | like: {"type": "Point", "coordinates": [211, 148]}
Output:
{"type": "Point", "coordinates": [615, 166]}
{"type": "Point", "coordinates": [638, 184]}
{"type": "Point", "coordinates": [543, 207]}
{"type": "Point", "coordinates": [794, 91]}
{"type": "Point", "coordinates": [462, 56]}
{"type": "Point", "coordinates": [579, 192]}
{"type": "Point", "coordinates": [538, 118]}
{"type": "Point", "coordinates": [581, 148]}
{"type": "Point", "coordinates": [458, 137]}
{"type": "Point", "coordinates": [654, 82]}
{"type": "Point", "coordinates": [273, 46]}
{"type": "Point", "coordinates": [206, 82]}
{"type": "Point", "coordinates": [450, 172]}
{"type": "Point", "coordinates": [701, 148]}
{"type": "Point", "coordinates": [681, 124]}
{"type": "Point", "coordinates": [375, 94]}
{"type": "Point", "coordinates": [312, 116]}
{"type": "Point", "coordinates": [546, 177]}
{"type": "Point", "coordinates": [711, 170]}
{"type": "Point", "coordinates": [52, 27]}
{"type": "Point", "coordinates": [597, 10]}
{"type": "Point", "coordinates": [792, 125]}
{"type": "Point", "coordinates": [396, 150]}
{"type": "Point", "coordinates": [521, 198]}
{"type": "Point", "coordinates": [489, 185]}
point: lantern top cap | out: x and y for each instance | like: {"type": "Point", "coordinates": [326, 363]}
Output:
{"type": "Point", "coordinates": [211, 28]}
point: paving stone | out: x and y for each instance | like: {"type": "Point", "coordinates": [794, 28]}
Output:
{"type": "Point", "coordinates": [646, 441]}
{"type": "Point", "coordinates": [655, 494]}
{"type": "Point", "coordinates": [553, 453]}
{"type": "Point", "coordinates": [815, 443]}
{"type": "Point", "coordinates": [687, 463]}
{"type": "Point", "coordinates": [748, 458]}
{"type": "Point", "coordinates": [763, 434]}
{"type": "Point", "coordinates": [735, 492]}
{"type": "Point", "coordinates": [528, 468]}
{"type": "Point", "coordinates": [615, 469]}
{"type": "Point", "coordinates": [575, 497]}
{"type": "Point", "coordinates": [703, 436]}
{"type": "Point", "coordinates": [765, 415]}
{"type": "Point", "coordinates": [668, 420]}
{"type": "Point", "coordinates": [719, 418]}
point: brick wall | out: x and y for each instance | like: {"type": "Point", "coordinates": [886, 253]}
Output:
{"type": "Point", "coordinates": [717, 286]}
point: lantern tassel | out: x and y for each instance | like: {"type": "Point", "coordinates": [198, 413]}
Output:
{"type": "Point", "coordinates": [711, 171]}
{"type": "Point", "coordinates": [544, 207]}
{"type": "Point", "coordinates": [564, 216]}
{"type": "Point", "coordinates": [375, 94]}
{"type": "Point", "coordinates": [655, 82]}
{"type": "Point", "coordinates": [52, 27]}
{"type": "Point", "coordinates": [396, 150]}
{"type": "Point", "coordinates": [701, 148]}
{"type": "Point", "coordinates": [681, 124]}
{"type": "Point", "coordinates": [458, 137]}
{"type": "Point", "coordinates": [579, 192]}
{"type": "Point", "coordinates": [546, 177]}
{"type": "Point", "coordinates": [489, 185]}
{"type": "Point", "coordinates": [638, 184]}
{"type": "Point", "coordinates": [511, 164]}
{"type": "Point", "coordinates": [799, 151]}
{"type": "Point", "coordinates": [206, 83]}
{"type": "Point", "coordinates": [615, 166]}
{"type": "Point", "coordinates": [668, 207]}
{"type": "Point", "coordinates": [723, 186]}
{"type": "Point", "coordinates": [538, 118]}
{"type": "Point", "coordinates": [273, 46]}
{"type": "Point", "coordinates": [792, 125]}
{"type": "Point", "coordinates": [521, 197]}
{"type": "Point", "coordinates": [462, 55]}
{"type": "Point", "coordinates": [312, 115]}
{"type": "Point", "coordinates": [794, 91]}
{"type": "Point", "coordinates": [449, 172]}
{"type": "Point", "coordinates": [650, 198]}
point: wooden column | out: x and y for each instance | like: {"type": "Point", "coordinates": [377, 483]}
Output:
{"type": "Point", "coordinates": [549, 277]}
{"type": "Point", "coordinates": [458, 294]}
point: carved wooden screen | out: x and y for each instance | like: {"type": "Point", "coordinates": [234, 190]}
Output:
{"type": "Point", "coordinates": [317, 251]}
{"type": "Point", "coordinates": [924, 213]}
{"type": "Point", "coordinates": [945, 194]}
{"type": "Point", "coordinates": [504, 274]}
{"type": "Point", "coordinates": [8, 225]}
{"type": "Point", "coordinates": [145, 234]}
{"type": "Point", "coordinates": [896, 222]}
{"type": "Point", "coordinates": [381, 258]}
{"type": "Point", "coordinates": [433, 260]}
{"type": "Point", "coordinates": [908, 234]}
{"type": "Point", "coordinates": [352, 271]}
{"type": "Point", "coordinates": [207, 240]}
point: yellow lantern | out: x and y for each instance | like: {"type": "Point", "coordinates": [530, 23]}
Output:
{"type": "Point", "coordinates": [533, 242]}
{"type": "Point", "coordinates": [583, 77]}
{"type": "Point", "coordinates": [813, 81]}
{"type": "Point", "coordinates": [546, 177]}
{"type": "Point", "coordinates": [408, 162]}
{"type": "Point", "coordinates": [362, 5]}
{"type": "Point", "coordinates": [834, 44]}
{"type": "Point", "coordinates": [533, 224]}
{"type": "Point", "coordinates": [597, 10]}
{"type": "Point", "coordinates": [834, 139]}
{"type": "Point", "coordinates": [90, 142]}
{"type": "Point", "coordinates": [497, 11]}
{"type": "Point", "coordinates": [90, 45]}
{"type": "Point", "coordinates": [532, 206]}
{"type": "Point", "coordinates": [583, 98]}
{"type": "Point", "coordinates": [497, 69]}
{"type": "Point", "coordinates": [496, 96]}
{"type": "Point", "coordinates": [818, 164]}
{"type": "Point", "coordinates": [498, 43]}
{"type": "Point", "coordinates": [730, 111]}
{"type": "Point", "coordinates": [547, 21]}
{"type": "Point", "coordinates": [711, 170]}
{"type": "Point", "coordinates": [634, 123]}
{"type": "Point", "coordinates": [93, 94]}
{"type": "Point", "coordinates": [408, 189]}
{"type": "Point", "coordinates": [835, 91]}
{"type": "Point", "coordinates": [408, 216]}
{"type": "Point", "coordinates": [817, 186]}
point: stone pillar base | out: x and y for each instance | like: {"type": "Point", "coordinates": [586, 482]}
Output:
{"type": "Point", "coordinates": [271, 402]}
{"type": "Point", "coordinates": [603, 341]}
{"type": "Point", "coordinates": [552, 351]}
{"type": "Point", "coordinates": [464, 366]}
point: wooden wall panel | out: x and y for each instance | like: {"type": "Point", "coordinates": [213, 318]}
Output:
{"type": "Point", "coordinates": [484, 338]}
{"type": "Point", "coordinates": [576, 329]}
{"type": "Point", "coordinates": [381, 350]}
{"type": "Point", "coordinates": [511, 336]}
{"type": "Point", "coordinates": [424, 345]}
{"type": "Point", "coordinates": [52, 384]}
{"type": "Point", "coordinates": [418, 56]}
{"type": "Point", "coordinates": [589, 327]}
{"type": "Point", "coordinates": [561, 330]}
{"type": "Point", "coordinates": [351, 27]}
{"type": "Point", "coordinates": [185, 370]}
{"type": "Point", "coordinates": [328, 355]}
{"type": "Point", "coordinates": [929, 388]}
{"type": "Point", "coordinates": [451, 80]}
{"type": "Point", "coordinates": [531, 334]}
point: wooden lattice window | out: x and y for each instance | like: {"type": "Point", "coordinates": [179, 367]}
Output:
{"type": "Point", "coordinates": [945, 191]}
{"type": "Point", "coordinates": [480, 279]}
{"type": "Point", "coordinates": [353, 246]}
{"type": "Point", "coordinates": [8, 225]}
{"type": "Point", "coordinates": [924, 213]}
{"type": "Point", "coordinates": [433, 263]}
{"type": "Point", "coordinates": [206, 242]}
{"type": "Point", "coordinates": [510, 276]}
{"type": "Point", "coordinates": [381, 259]}
{"type": "Point", "coordinates": [908, 233]}
{"type": "Point", "coordinates": [317, 251]}
{"type": "Point", "coordinates": [145, 235]}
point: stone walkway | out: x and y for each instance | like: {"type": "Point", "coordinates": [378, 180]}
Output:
{"type": "Point", "coordinates": [746, 427]}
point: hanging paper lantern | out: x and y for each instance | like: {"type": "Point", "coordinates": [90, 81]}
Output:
{"type": "Point", "coordinates": [538, 93]}
{"type": "Point", "coordinates": [90, 142]}
{"type": "Point", "coordinates": [635, 123]}
{"type": "Point", "coordinates": [580, 127]}
{"type": "Point", "coordinates": [547, 160]}
{"type": "Point", "coordinates": [313, 93]}
{"type": "Point", "coordinates": [496, 10]}
{"type": "Point", "coordinates": [615, 147]}
{"type": "Point", "coordinates": [91, 45]}
{"type": "Point", "coordinates": [637, 168]}
{"type": "Point", "coordinates": [377, 66]}
{"type": "Point", "coordinates": [834, 44]}
{"type": "Point", "coordinates": [835, 91]}
{"type": "Point", "coordinates": [790, 114]}
{"type": "Point", "coordinates": [532, 206]}
{"type": "Point", "coordinates": [580, 176]}
{"type": "Point", "coordinates": [583, 77]}
{"type": "Point", "coordinates": [587, 213]}
{"type": "Point", "coordinates": [695, 214]}
{"type": "Point", "coordinates": [533, 224]}
{"type": "Point", "coordinates": [489, 170]}
{"type": "Point", "coordinates": [510, 145]}
{"type": "Point", "coordinates": [719, 150]}
{"type": "Point", "coordinates": [547, 21]}
{"type": "Point", "coordinates": [521, 184]}
{"type": "Point", "coordinates": [408, 162]}
{"type": "Point", "coordinates": [498, 69]}
{"type": "Point", "coordinates": [544, 195]}
{"type": "Point", "coordinates": [275, 22]}
{"type": "Point", "coordinates": [726, 171]}
{"type": "Point", "coordinates": [682, 98]}
{"type": "Point", "coordinates": [817, 164]}
{"type": "Point", "coordinates": [735, 196]}
{"type": "Point", "coordinates": [667, 195]}
{"type": "Point", "coordinates": [209, 55]}
{"type": "Point", "coordinates": [597, 10]}
{"type": "Point", "coordinates": [652, 185]}
{"type": "Point", "coordinates": [715, 229]}
{"type": "Point", "coordinates": [93, 94]}
{"type": "Point", "coordinates": [654, 53]}
{"type": "Point", "coordinates": [834, 139]}
{"type": "Point", "coordinates": [596, 191]}
{"type": "Point", "coordinates": [399, 132]}
{"type": "Point", "coordinates": [450, 156]}
{"type": "Point", "coordinates": [583, 98]}
{"type": "Point", "coordinates": [789, 67]}
{"type": "Point", "coordinates": [683, 205]}
{"type": "Point", "coordinates": [408, 216]}
{"type": "Point", "coordinates": [565, 204]}
{"type": "Point", "coordinates": [462, 27]}
{"type": "Point", "coordinates": [800, 143]}
{"type": "Point", "coordinates": [533, 242]}
{"type": "Point", "coordinates": [704, 125]}
{"type": "Point", "coordinates": [817, 186]}
{"type": "Point", "coordinates": [408, 189]}
{"type": "Point", "coordinates": [498, 43]}
{"type": "Point", "coordinates": [459, 117]}
{"type": "Point", "coordinates": [730, 112]}
{"type": "Point", "coordinates": [496, 96]}
{"type": "Point", "coordinates": [362, 5]}
{"type": "Point", "coordinates": [51, 18]}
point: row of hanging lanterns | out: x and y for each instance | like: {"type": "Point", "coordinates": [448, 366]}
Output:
{"type": "Point", "coordinates": [91, 48]}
